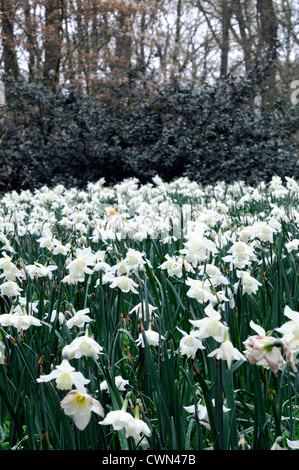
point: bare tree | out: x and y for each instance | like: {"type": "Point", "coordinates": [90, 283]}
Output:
{"type": "Point", "coordinates": [8, 10]}
{"type": "Point", "coordinates": [52, 40]}
{"type": "Point", "coordinates": [226, 13]}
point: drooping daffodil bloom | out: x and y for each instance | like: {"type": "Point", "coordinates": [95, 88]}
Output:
{"type": "Point", "coordinates": [153, 337]}
{"type": "Point", "coordinates": [202, 411]}
{"type": "Point", "coordinates": [120, 384]}
{"type": "Point", "coordinates": [266, 350]}
{"type": "Point", "coordinates": [79, 318]}
{"type": "Point", "coordinates": [10, 289]}
{"type": "Point", "coordinates": [66, 376]}
{"type": "Point", "coordinates": [82, 346]}
{"type": "Point", "coordinates": [124, 283]}
{"type": "Point", "coordinates": [249, 284]}
{"type": "Point", "coordinates": [290, 330]}
{"type": "Point", "coordinates": [190, 343]}
{"type": "Point", "coordinates": [79, 406]}
{"type": "Point", "coordinates": [19, 318]}
{"type": "Point", "coordinates": [210, 325]}
{"type": "Point", "coordinates": [122, 419]}
{"type": "Point", "coordinates": [227, 352]}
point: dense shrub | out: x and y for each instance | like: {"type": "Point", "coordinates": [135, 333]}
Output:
{"type": "Point", "coordinates": [139, 128]}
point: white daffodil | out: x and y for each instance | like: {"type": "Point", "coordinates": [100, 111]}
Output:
{"type": "Point", "coordinates": [215, 275]}
{"type": "Point", "coordinates": [293, 245]}
{"type": "Point", "coordinates": [124, 283]}
{"type": "Point", "coordinates": [190, 343]}
{"type": "Point", "coordinates": [293, 444]}
{"type": "Point", "coordinates": [202, 411]}
{"type": "Point", "coordinates": [82, 346]}
{"type": "Point", "coordinates": [10, 271]}
{"type": "Point", "coordinates": [19, 319]}
{"type": "Point", "coordinates": [66, 376]}
{"type": "Point", "coordinates": [290, 330]}
{"type": "Point", "coordinates": [120, 384]}
{"type": "Point", "coordinates": [198, 247]}
{"type": "Point", "coordinates": [200, 290]}
{"type": "Point", "coordinates": [153, 338]}
{"type": "Point", "coordinates": [45, 271]}
{"type": "Point", "coordinates": [173, 266]}
{"type": "Point", "coordinates": [211, 325]}
{"type": "Point", "coordinates": [227, 352]}
{"type": "Point", "coordinates": [77, 268]}
{"type": "Point", "coordinates": [119, 419]}
{"type": "Point", "coordinates": [263, 231]}
{"type": "Point", "coordinates": [141, 307]}
{"type": "Point", "coordinates": [120, 268]}
{"type": "Point", "coordinates": [80, 266]}
{"type": "Point", "coordinates": [60, 249]}
{"type": "Point", "coordinates": [249, 284]}
{"type": "Point", "coordinates": [240, 255]}
{"type": "Point", "coordinates": [79, 406]}
{"type": "Point", "coordinates": [79, 318]}
{"type": "Point", "coordinates": [46, 241]}
{"type": "Point", "coordinates": [138, 429]}
{"type": "Point", "coordinates": [265, 350]}
{"type": "Point", "coordinates": [134, 259]}
{"type": "Point", "coordinates": [10, 289]}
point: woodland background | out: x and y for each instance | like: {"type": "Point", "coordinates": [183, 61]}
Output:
{"type": "Point", "coordinates": [135, 88]}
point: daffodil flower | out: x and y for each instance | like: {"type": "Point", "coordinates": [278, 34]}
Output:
{"type": "Point", "coordinates": [227, 352]}
{"type": "Point", "coordinates": [120, 384]}
{"type": "Point", "coordinates": [10, 289]}
{"type": "Point", "coordinates": [290, 329]}
{"type": "Point", "coordinates": [124, 283]}
{"type": "Point", "coordinates": [19, 319]}
{"type": "Point", "coordinates": [65, 377]}
{"type": "Point", "coordinates": [266, 351]}
{"type": "Point", "coordinates": [118, 419]}
{"type": "Point", "coordinates": [152, 337]}
{"type": "Point", "coordinates": [211, 324]}
{"type": "Point", "coordinates": [202, 411]}
{"type": "Point", "coordinates": [79, 406]}
{"type": "Point", "coordinates": [190, 343]}
{"type": "Point", "coordinates": [79, 318]}
{"type": "Point", "coordinates": [82, 346]}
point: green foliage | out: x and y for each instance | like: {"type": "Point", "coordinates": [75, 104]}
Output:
{"type": "Point", "coordinates": [140, 128]}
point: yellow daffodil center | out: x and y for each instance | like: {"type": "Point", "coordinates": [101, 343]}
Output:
{"type": "Point", "coordinates": [80, 400]}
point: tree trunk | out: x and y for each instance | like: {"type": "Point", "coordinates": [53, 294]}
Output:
{"type": "Point", "coordinates": [8, 40]}
{"type": "Point", "coordinates": [268, 30]}
{"type": "Point", "coordinates": [52, 43]}
{"type": "Point", "coordinates": [226, 12]}
{"type": "Point", "coordinates": [245, 39]}
{"type": "Point", "coordinates": [123, 45]}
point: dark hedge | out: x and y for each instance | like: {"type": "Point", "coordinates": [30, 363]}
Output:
{"type": "Point", "coordinates": [138, 128]}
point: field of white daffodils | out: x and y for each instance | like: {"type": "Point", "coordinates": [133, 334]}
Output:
{"type": "Point", "coordinates": [162, 316]}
